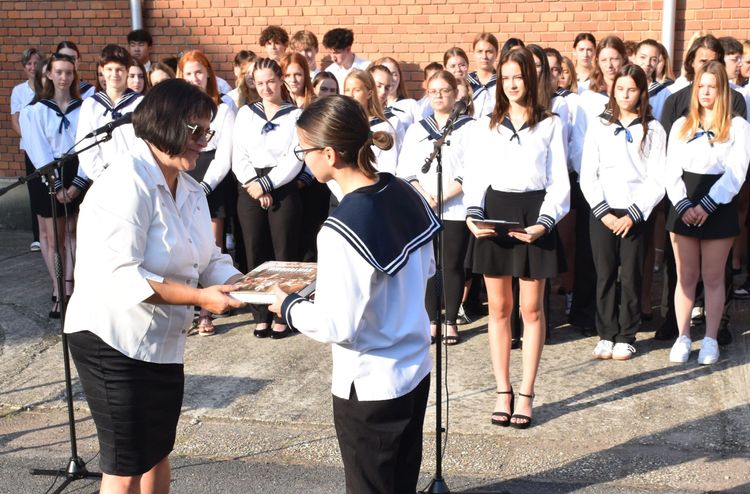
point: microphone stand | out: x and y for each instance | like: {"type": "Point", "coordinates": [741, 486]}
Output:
{"type": "Point", "coordinates": [76, 469]}
{"type": "Point", "coordinates": [438, 485]}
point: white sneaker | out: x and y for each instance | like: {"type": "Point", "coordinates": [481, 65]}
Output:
{"type": "Point", "coordinates": [680, 350]}
{"type": "Point", "coordinates": [603, 350]}
{"type": "Point", "coordinates": [709, 353]}
{"type": "Point", "coordinates": [623, 351]}
{"type": "Point", "coordinates": [35, 246]}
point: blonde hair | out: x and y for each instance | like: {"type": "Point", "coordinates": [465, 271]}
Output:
{"type": "Point", "coordinates": [401, 92]}
{"type": "Point", "coordinates": [568, 63]}
{"type": "Point", "coordinates": [374, 108]}
{"type": "Point", "coordinates": [722, 108]}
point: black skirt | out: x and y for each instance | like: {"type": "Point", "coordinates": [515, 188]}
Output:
{"type": "Point", "coordinates": [135, 404]}
{"type": "Point", "coordinates": [506, 256]}
{"type": "Point", "coordinates": [219, 197]}
{"type": "Point", "coordinates": [722, 223]}
{"type": "Point", "coordinates": [39, 192]}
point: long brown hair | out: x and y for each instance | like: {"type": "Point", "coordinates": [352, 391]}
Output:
{"type": "Point", "coordinates": [374, 108]}
{"type": "Point", "coordinates": [722, 108]}
{"type": "Point", "coordinates": [401, 92]}
{"type": "Point", "coordinates": [294, 57]}
{"type": "Point", "coordinates": [341, 123]}
{"type": "Point", "coordinates": [535, 111]}
{"type": "Point", "coordinates": [48, 89]}
{"type": "Point", "coordinates": [273, 65]}
{"type": "Point", "coordinates": [643, 108]}
{"type": "Point", "coordinates": [197, 56]}
{"type": "Point", "coordinates": [598, 84]}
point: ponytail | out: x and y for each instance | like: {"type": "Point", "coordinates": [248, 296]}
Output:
{"type": "Point", "coordinates": [366, 157]}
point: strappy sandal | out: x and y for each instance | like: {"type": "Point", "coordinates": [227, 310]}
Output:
{"type": "Point", "coordinates": [205, 326]}
{"type": "Point", "coordinates": [526, 419]}
{"type": "Point", "coordinates": [505, 416]}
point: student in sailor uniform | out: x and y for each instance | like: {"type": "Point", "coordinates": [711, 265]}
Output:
{"type": "Point", "coordinates": [69, 48]}
{"type": "Point", "coordinates": [383, 83]}
{"type": "Point", "coordinates": [325, 84]}
{"type": "Point", "coordinates": [212, 170]}
{"type": "Point", "coordinates": [244, 91]}
{"type": "Point", "coordinates": [456, 62]}
{"type": "Point", "coordinates": [707, 163]}
{"type": "Point", "coordinates": [398, 101]}
{"type": "Point", "coordinates": [49, 132]}
{"type": "Point", "coordinates": [516, 171]}
{"type": "Point", "coordinates": [339, 43]}
{"type": "Point", "coordinates": [297, 79]}
{"type": "Point", "coordinates": [138, 78]}
{"type": "Point", "coordinates": [20, 97]}
{"type": "Point", "coordinates": [568, 77]}
{"type": "Point", "coordinates": [622, 179]}
{"type": "Point", "coordinates": [584, 47]}
{"type": "Point", "coordinates": [647, 57]}
{"type": "Point", "coordinates": [484, 79]}
{"type": "Point", "coordinates": [424, 107]}
{"type": "Point", "coordinates": [104, 107]}
{"type": "Point", "coordinates": [418, 145]}
{"type": "Point", "coordinates": [269, 206]}
{"type": "Point", "coordinates": [369, 300]}
{"type": "Point", "coordinates": [609, 58]}
{"type": "Point", "coordinates": [664, 73]}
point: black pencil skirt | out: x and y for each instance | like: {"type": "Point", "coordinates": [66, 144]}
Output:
{"type": "Point", "coordinates": [506, 256]}
{"type": "Point", "coordinates": [722, 223]}
{"type": "Point", "coordinates": [135, 404]}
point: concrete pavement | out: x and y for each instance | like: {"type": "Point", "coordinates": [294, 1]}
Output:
{"type": "Point", "coordinates": [257, 413]}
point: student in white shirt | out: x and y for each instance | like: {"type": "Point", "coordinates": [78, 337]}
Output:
{"type": "Point", "coordinates": [306, 44]}
{"type": "Point", "coordinates": [139, 46]}
{"type": "Point", "coordinates": [397, 100]}
{"type": "Point", "coordinates": [369, 300]}
{"type": "Point", "coordinates": [383, 84]}
{"type": "Point", "coordinates": [707, 163]}
{"type": "Point", "coordinates": [269, 207]}
{"type": "Point", "coordinates": [325, 84]}
{"type": "Point", "coordinates": [138, 79]}
{"type": "Point", "coordinates": [49, 132]}
{"type": "Point", "coordinates": [456, 62]}
{"type": "Point", "coordinates": [21, 96]}
{"type": "Point", "coordinates": [158, 72]}
{"type": "Point", "coordinates": [622, 179]}
{"type": "Point", "coordinates": [338, 42]}
{"type": "Point", "coordinates": [244, 86]}
{"type": "Point", "coordinates": [516, 171]}
{"type": "Point", "coordinates": [647, 58]}
{"type": "Point", "coordinates": [69, 48]}
{"type": "Point", "coordinates": [664, 73]}
{"type": "Point", "coordinates": [297, 79]}
{"type": "Point", "coordinates": [584, 47]}
{"type": "Point", "coordinates": [424, 107]}
{"type": "Point", "coordinates": [442, 89]}
{"type": "Point", "coordinates": [274, 40]}
{"type": "Point", "coordinates": [568, 76]}
{"type": "Point", "coordinates": [105, 107]}
{"type": "Point", "coordinates": [145, 244]}
{"type": "Point", "coordinates": [484, 80]}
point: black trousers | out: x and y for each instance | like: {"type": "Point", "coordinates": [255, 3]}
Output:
{"type": "Point", "coordinates": [618, 317]}
{"type": "Point", "coordinates": [455, 242]}
{"type": "Point", "coordinates": [270, 234]}
{"type": "Point", "coordinates": [381, 441]}
{"type": "Point", "coordinates": [583, 307]}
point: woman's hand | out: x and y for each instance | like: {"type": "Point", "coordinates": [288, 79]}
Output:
{"type": "Point", "coordinates": [622, 226]}
{"type": "Point", "coordinates": [695, 216]}
{"type": "Point", "coordinates": [215, 299]}
{"type": "Point", "coordinates": [480, 232]}
{"type": "Point", "coordinates": [266, 201]}
{"type": "Point", "coordinates": [60, 196]}
{"type": "Point", "coordinates": [254, 189]}
{"type": "Point", "coordinates": [280, 296]}
{"type": "Point", "coordinates": [72, 192]}
{"type": "Point", "coordinates": [530, 234]}
{"type": "Point", "coordinates": [609, 220]}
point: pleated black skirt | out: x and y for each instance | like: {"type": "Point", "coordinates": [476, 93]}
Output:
{"type": "Point", "coordinates": [722, 223]}
{"type": "Point", "coordinates": [506, 256]}
{"type": "Point", "coordinates": [39, 192]}
{"type": "Point", "coordinates": [135, 404]}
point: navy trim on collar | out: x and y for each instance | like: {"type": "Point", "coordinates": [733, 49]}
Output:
{"type": "Point", "coordinates": [258, 109]}
{"type": "Point", "coordinates": [434, 131]}
{"type": "Point", "coordinates": [128, 97]}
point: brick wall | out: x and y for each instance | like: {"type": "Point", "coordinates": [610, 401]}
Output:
{"type": "Point", "coordinates": [415, 31]}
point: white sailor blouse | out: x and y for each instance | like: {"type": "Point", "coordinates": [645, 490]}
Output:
{"type": "Point", "coordinates": [483, 95]}
{"type": "Point", "coordinates": [262, 143]}
{"type": "Point", "coordinates": [375, 256]}
{"type": "Point", "coordinates": [517, 160]}
{"type": "Point", "coordinates": [617, 174]}
{"type": "Point", "coordinates": [697, 154]}
{"type": "Point", "coordinates": [99, 110]}
{"type": "Point", "coordinates": [223, 126]}
{"type": "Point", "coordinates": [418, 145]}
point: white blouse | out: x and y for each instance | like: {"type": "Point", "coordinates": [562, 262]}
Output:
{"type": "Point", "coordinates": [223, 125]}
{"type": "Point", "coordinates": [483, 95]}
{"type": "Point", "coordinates": [131, 230]}
{"type": "Point", "coordinates": [20, 97]}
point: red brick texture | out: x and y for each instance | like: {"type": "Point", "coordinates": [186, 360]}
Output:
{"type": "Point", "coordinates": [415, 31]}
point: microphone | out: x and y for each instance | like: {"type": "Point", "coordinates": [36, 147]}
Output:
{"type": "Point", "coordinates": [107, 129]}
{"type": "Point", "coordinates": [458, 109]}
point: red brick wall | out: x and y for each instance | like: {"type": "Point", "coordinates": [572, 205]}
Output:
{"type": "Point", "coordinates": [415, 31]}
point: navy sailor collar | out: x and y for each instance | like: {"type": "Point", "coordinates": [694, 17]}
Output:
{"type": "Point", "coordinates": [128, 97]}
{"type": "Point", "coordinates": [433, 129]}
{"type": "Point", "coordinates": [476, 84]}
{"type": "Point", "coordinates": [385, 222]}
{"type": "Point", "coordinates": [74, 105]}
{"type": "Point", "coordinates": [655, 88]}
{"type": "Point", "coordinates": [258, 109]}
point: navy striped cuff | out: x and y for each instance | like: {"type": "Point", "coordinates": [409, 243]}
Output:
{"type": "Point", "coordinates": [459, 180]}
{"type": "Point", "coordinates": [682, 206]}
{"type": "Point", "coordinates": [266, 184]}
{"type": "Point", "coordinates": [58, 184]}
{"type": "Point", "coordinates": [547, 222]}
{"type": "Point", "coordinates": [600, 210]}
{"type": "Point", "coordinates": [286, 307]}
{"type": "Point", "coordinates": [206, 188]}
{"type": "Point", "coordinates": [709, 205]}
{"type": "Point", "coordinates": [475, 213]}
{"type": "Point", "coordinates": [81, 183]}
{"type": "Point", "coordinates": [635, 213]}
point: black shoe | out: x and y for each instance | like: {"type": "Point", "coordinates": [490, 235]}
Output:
{"type": "Point", "coordinates": [526, 420]}
{"type": "Point", "coordinates": [278, 335]}
{"type": "Point", "coordinates": [724, 337]}
{"type": "Point", "coordinates": [262, 333]}
{"type": "Point", "coordinates": [55, 312]}
{"type": "Point", "coordinates": [504, 415]}
{"type": "Point", "coordinates": [515, 344]}
{"type": "Point", "coordinates": [666, 332]}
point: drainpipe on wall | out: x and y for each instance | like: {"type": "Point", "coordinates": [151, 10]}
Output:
{"type": "Point", "coordinates": [667, 26]}
{"type": "Point", "coordinates": [136, 15]}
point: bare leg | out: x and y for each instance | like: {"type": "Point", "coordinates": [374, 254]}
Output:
{"type": "Point", "coordinates": [500, 301]}
{"type": "Point", "coordinates": [687, 257]}
{"type": "Point", "coordinates": [156, 480]}
{"type": "Point", "coordinates": [116, 484]}
{"type": "Point", "coordinates": [534, 331]}
{"type": "Point", "coordinates": [714, 254]}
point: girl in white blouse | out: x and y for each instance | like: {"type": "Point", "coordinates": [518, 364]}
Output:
{"type": "Point", "coordinates": [622, 179]}
{"type": "Point", "coordinates": [398, 100]}
{"type": "Point", "coordinates": [263, 160]}
{"type": "Point", "coordinates": [707, 164]}
{"type": "Point", "coordinates": [484, 79]}
{"type": "Point", "coordinates": [516, 171]}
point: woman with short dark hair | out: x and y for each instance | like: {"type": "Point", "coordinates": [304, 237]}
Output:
{"type": "Point", "coordinates": [145, 244]}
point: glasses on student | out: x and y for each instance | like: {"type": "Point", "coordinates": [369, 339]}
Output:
{"type": "Point", "coordinates": [442, 92]}
{"type": "Point", "coordinates": [300, 153]}
{"type": "Point", "coordinates": [197, 133]}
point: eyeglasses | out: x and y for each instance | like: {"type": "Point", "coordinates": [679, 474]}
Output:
{"type": "Point", "coordinates": [442, 92]}
{"type": "Point", "coordinates": [300, 153]}
{"type": "Point", "coordinates": [197, 133]}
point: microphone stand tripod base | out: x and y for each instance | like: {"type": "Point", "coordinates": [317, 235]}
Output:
{"type": "Point", "coordinates": [436, 486]}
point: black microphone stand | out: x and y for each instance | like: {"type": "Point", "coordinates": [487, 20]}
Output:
{"type": "Point", "coordinates": [437, 485]}
{"type": "Point", "coordinates": [76, 469]}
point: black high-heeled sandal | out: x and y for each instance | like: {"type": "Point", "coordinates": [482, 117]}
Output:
{"type": "Point", "coordinates": [526, 419]}
{"type": "Point", "coordinates": [504, 415]}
